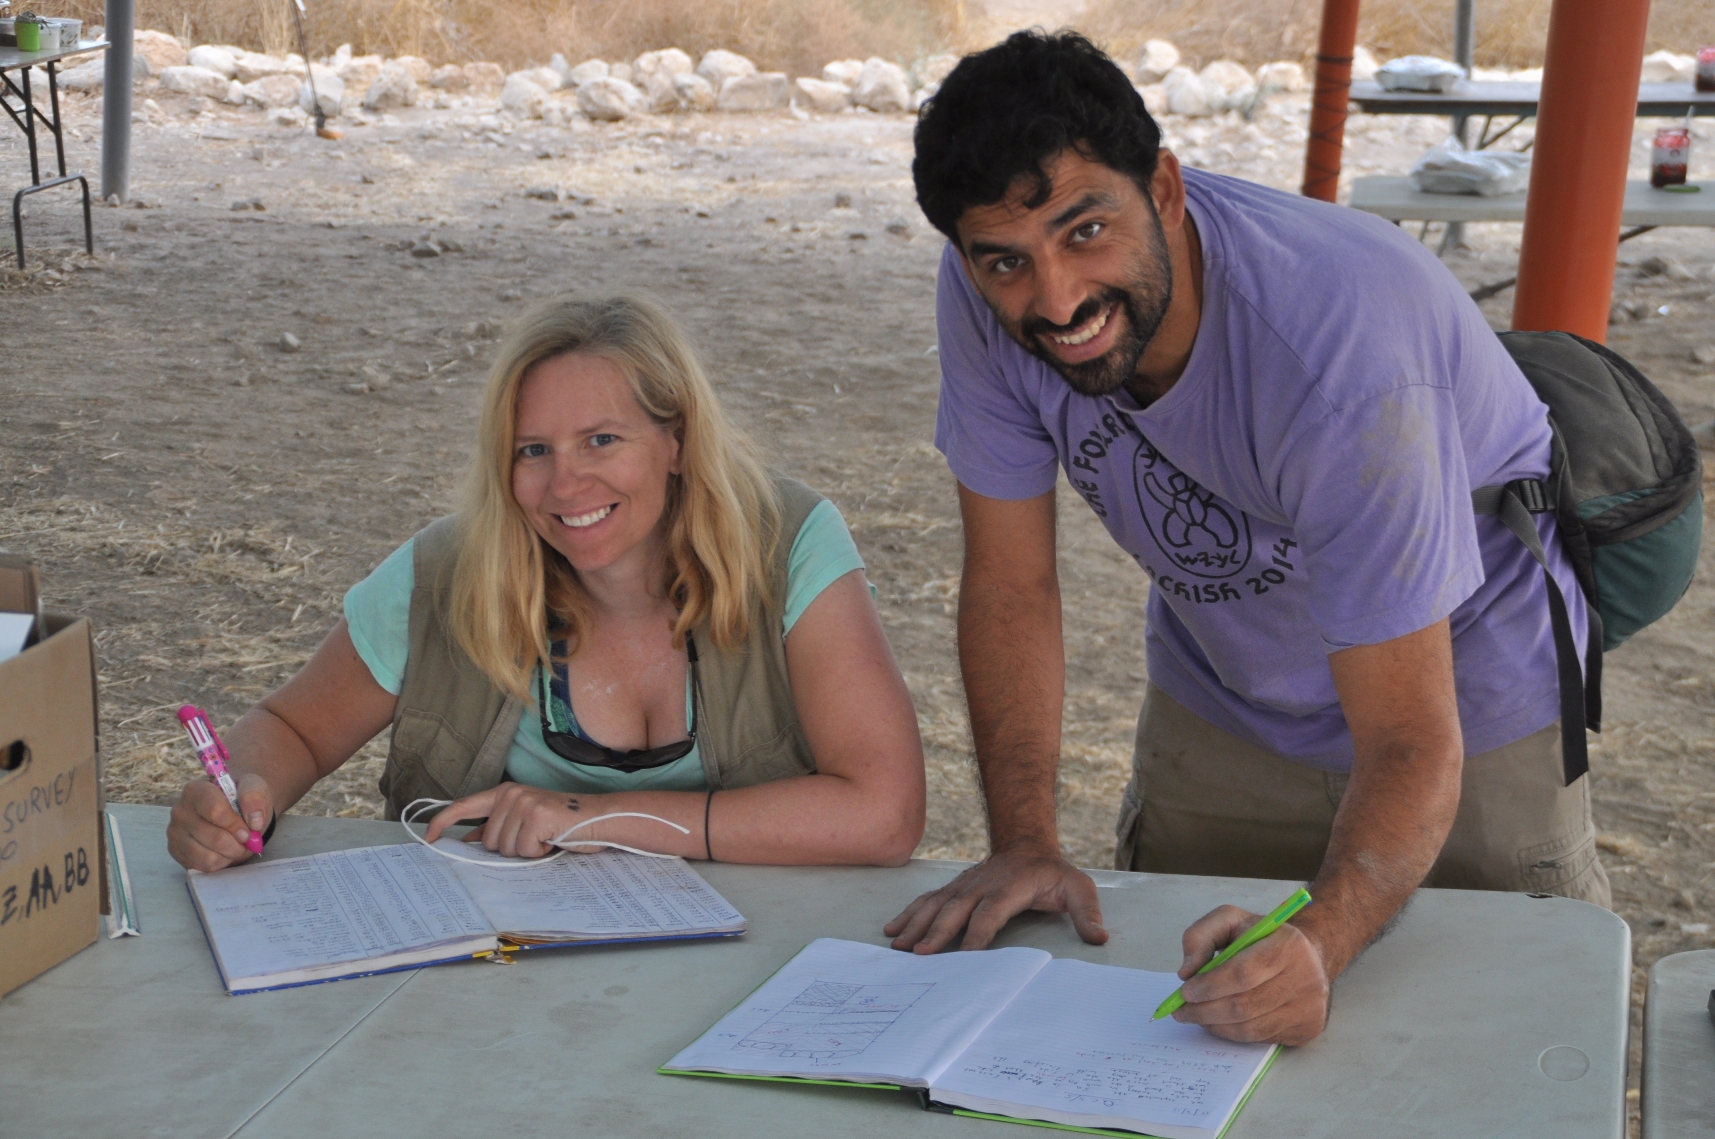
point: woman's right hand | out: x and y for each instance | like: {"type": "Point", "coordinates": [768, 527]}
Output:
{"type": "Point", "coordinates": [205, 833]}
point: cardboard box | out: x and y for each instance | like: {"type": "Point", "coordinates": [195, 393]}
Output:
{"type": "Point", "coordinates": [52, 857]}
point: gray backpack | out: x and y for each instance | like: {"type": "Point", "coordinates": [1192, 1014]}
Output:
{"type": "Point", "coordinates": [1626, 487]}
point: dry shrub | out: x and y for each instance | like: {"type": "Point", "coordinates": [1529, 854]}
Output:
{"type": "Point", "coordinates": [1510, 33]}
{"type": "Point", "coordinates": [797, 36]}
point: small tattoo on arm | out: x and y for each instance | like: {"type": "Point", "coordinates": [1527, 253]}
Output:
{"type": "Point", "coordinates": [572, 803]}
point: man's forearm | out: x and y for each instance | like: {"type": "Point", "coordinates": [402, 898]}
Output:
{"type": "Point", "coordinates": [1392, 822]}
{"type": "Point", "coordinates": [1013, 662]}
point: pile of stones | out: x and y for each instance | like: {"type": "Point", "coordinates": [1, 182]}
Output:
{"type": "Point", "coordinates": [669, 81]}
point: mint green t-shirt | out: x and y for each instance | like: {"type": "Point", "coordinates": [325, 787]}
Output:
{"type": "Point", "coordinates": [378, 617]}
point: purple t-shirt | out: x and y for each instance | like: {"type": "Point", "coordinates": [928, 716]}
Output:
{"type": "Point", "coordinates": [1305, 486]}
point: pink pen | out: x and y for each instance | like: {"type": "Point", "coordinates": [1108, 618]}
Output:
{"type": "Point", "coordinates": [212, 752]}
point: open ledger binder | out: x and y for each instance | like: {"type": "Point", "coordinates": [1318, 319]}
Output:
{"type": "Point", "coordinates": [1008, 1034]}
{"type": "Point", "coordinates": [352, 913]}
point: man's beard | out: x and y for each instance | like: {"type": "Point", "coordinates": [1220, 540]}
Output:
{"type": "Point", "coordinates": [1142, 303]}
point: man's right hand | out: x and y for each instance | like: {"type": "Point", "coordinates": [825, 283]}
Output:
{"type": "Point", "coordinates": [205, 834]}
{"type": "Point", "coordinates": [988, 895]}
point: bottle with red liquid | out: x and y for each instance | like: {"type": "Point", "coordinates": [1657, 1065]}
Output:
{"type": "Point", "coordinates": [1706, 69]}
{"type": "Point", "coordinates": [1670, 156]}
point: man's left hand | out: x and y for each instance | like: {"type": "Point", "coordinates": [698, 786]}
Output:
{"type": "Point", "coordinates": [1275, 992]}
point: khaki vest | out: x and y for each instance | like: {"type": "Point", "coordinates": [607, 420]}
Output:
{"type": "Point", "coordinates": [452, 728]}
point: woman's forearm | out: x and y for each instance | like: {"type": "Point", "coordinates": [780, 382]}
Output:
{"type": "Point", "coordinates": [806, 820]}
{"type": "Point", "coordinates": [263, 744]}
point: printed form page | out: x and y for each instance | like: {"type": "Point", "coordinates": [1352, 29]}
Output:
{"type": "Point", "coordinates": [843, 1010]}
{"type": "Point", "coordinates": [592, 896]}
{"type": "Point", "coordinates": [344, 906]}
{"type": "Point", "coordinates": [1077, 1047]}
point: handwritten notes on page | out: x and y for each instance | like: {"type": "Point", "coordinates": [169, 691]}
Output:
{"type": "Point", "coordinates": [843, 1010]}
{"type": "Point", "coordinates": [581, 897]}
{"type": "Point", "coordinates": [1078, 1047]}
{"type": "Point", "coordinates": [282, 923]}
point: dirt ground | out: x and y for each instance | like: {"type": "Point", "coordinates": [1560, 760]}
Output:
{"type": "Point", "coordinates": [206, 489]}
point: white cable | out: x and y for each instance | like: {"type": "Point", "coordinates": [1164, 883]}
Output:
{"type": "Point", "coordinates": [413, 808]}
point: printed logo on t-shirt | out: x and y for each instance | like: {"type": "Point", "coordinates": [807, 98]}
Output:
{"type": "Point", "coordinates": [1196, 532]}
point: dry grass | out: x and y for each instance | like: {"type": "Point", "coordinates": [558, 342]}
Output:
{"type": "Point", "coordinates": [797, 36]}
{"type": "Point", "coordinates": [1510, 33]}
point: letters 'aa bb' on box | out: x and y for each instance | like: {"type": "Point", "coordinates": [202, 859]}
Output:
{"type": "Point", "coordinates": [52, 858]}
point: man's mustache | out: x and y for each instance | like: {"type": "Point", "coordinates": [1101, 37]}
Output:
{"type": "Point", "coordinates": [1086, 312]}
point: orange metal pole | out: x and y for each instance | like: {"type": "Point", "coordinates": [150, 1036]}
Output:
{"type": "Point", "coordinates": [1328, 109]}
{"type": "Point", "coordinates": [1578, 176]}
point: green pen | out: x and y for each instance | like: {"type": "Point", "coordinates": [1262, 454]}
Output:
{"type": "Point", "coordinates": [1176, 999]}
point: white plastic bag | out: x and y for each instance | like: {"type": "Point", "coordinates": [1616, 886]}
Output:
{"type": "Point", "coordinates": [1419, 73]}
{"type": "Point", "coordinates": [1448, 168]}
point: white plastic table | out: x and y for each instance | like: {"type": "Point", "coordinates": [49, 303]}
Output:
{"type": "Point", "coordinates": [1479, 1014]}
{"type": "Point", "coordinates": [1394, 199]}
{"type": "Point", "coordinates": [1679, 1048]}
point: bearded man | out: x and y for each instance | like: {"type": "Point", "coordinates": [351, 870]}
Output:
{"type": "Point", "coordinates": [1278, 407]}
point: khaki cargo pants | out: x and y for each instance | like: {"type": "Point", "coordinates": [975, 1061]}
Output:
{"type": "Point", "coordinates": [1202, 801]}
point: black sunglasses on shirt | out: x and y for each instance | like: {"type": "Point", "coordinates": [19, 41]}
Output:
{"type": "Point", "coordinates": [574, 748]}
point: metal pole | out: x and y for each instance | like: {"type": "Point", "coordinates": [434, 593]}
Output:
{"type": "Point", "coordinates": [116, 102]}
{"type": "Point", "coordinates": [1584, 125]}
{"type": "Point", "coordinates": [1464, 48]}
{"type": "Point", "coordinates": [1328, 109]}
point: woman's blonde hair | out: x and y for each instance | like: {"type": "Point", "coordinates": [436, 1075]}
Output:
{"type": "Point", "coordinates": [721, 517]}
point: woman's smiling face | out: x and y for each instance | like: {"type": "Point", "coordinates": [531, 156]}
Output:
{"type": "Point", "coordinates": [589, 466]}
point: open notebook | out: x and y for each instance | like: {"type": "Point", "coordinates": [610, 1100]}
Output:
{"type": "Point", "coordinates": [350, 913]}
{"type": "Point", "coordinates": [1012, 1034]}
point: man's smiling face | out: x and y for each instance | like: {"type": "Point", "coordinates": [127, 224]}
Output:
{"type": "Point", "coordinates": [1082, 279]}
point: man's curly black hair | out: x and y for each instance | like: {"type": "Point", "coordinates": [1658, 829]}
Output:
{"type": "Point", "coordinates": [1005, 113]}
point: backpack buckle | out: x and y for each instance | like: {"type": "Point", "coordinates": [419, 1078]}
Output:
{"type": "Point", "coordinates": [1532, 495]}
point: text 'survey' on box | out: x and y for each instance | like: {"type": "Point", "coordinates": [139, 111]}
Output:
{"type": "Point", "coordinates": [51, 855]}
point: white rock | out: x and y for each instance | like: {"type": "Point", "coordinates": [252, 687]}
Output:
{"type": "Point", "coordinates": [1187, 94]}
{"type": "Point", "coordinates": [1527, 75]}
{"type": "Point", "coordinates": [843, 71]}
{"type": "Point", "coordinates": [1230, 78]}
{"type": "Point", "coordinates": [669, 61]}
{"type": "Point", "coordinates": [820, 95]}
{"type": "Point", "coordinates": [359, 71]}
{"type": "Point", "coordinates": [763, 91]}
{"type": "Point", "coordinates": [485, 76]}
{"type": "Point", "coordinates": [523, 95]}
{"type": "Point", "coordinates": [159, 49]}
{"type": "Point", "coordinates": [609, 99]}
{"type": "Point", "coordinates": [394, 87]}
{"type": "Point", "coordinates": [419, 68]}
{"type": "Point", "coordinates": [933, 70]}
{"type": "Point", "coordinates": [1157, 58]}
{"type": "Point", "coordinates": [330, 92]}
{"type": "Point", "coordinates": [560, 65]}
{"type": "Point", "coordinates": [287, 118]}
{"type": "Point", "coordinates": [234, 93]}
{"type": "Point", "coordinates": [923, 95]}
{"type": "Point", "coordinates": [882, 86]}
{"type": "Point", "coordinates": [1282, 76]}
{"type": "Point", "coordinates": [718, 66]}
{"type": "Point", "coordinates": [619, 71]}
{"type": "Point", "coordinates": [658, 93]}
{"type": "Point", "coordinates": [449, 78]}
{"type": "Point", "coordinates": [544, 77]}
{"type": "Point", "coordinates": [249, 66]}
{"type": "Point", "coordinates": [1666, 67]}
{"type": "Point", "coordinates": [339, 56]}
{"type": "Point", "coordinates": [210, 57]}
{"type": "Point", "coordinates": [189, 80]}
{"type": "Point", "coordinates": [586, 72]}
{"type": "Point", "coordinates": [1363, 63]}
{"type": "Point", "coordinates": [85, 76]}
{"type": "Point", "coordinates": [272, 91]}
{"type": "Point", "coordinates": [695, 93]}
{"type": "Point", "coordinates": [1154, 99]}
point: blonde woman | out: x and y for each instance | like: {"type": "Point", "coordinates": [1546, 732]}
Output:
{"type": "Point", "coordinates": [628, 614]}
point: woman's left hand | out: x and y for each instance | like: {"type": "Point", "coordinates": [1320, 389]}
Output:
{"type": "Point", "coordinates": [522, 821]}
